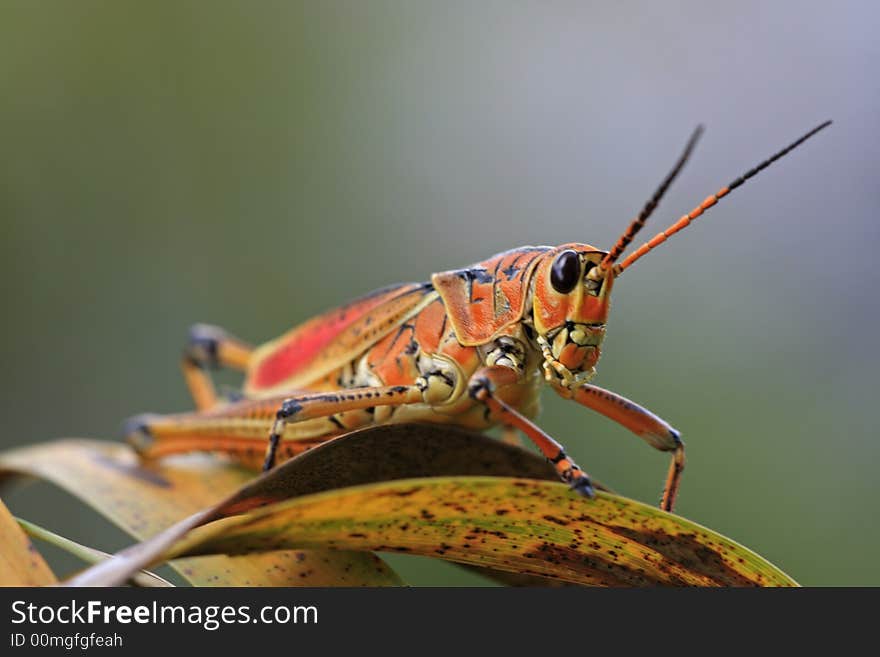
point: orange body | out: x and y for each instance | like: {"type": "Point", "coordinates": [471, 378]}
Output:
{"type": "Point", "coordinates": [392, 337]}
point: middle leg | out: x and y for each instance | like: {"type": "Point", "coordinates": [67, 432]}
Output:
{"type": "Point", "coordinates": [328, 404]}
{"type": "Point", "coordinates": [482, 386]}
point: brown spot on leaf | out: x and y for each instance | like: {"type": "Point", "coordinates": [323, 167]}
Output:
{"type": "Point", "coordinates": [599, 570]}
{"type": "Point", "coordinates": [686, 551]}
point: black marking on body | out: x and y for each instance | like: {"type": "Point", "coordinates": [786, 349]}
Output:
{"type": "Point", "coordinates": [511, 271]}
{"type": "Point", "coordinates": [478, 274]}
{"type": "Point", "coordinates": [406, 326]}
{"type": "Point", "coordinates": [506, 347]}
{"type": "Point", "coordinates": [494, 286]}
{"type": "Point", "coordinates": [447, 378]}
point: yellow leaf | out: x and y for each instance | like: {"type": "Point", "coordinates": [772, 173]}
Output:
{"type": "Point", "coordinates": [518, 525]}
{"type": "Point", "coordinates": [20, 563]}
{"type": "Point", "coordinates": [144, 500]}
{"type": "Point", "coordinates": [374, 454]}
{"type": "Point", "coordinates": [336, 496]}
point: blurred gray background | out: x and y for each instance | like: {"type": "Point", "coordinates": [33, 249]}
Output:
{"type": "Point", "coordinates": [250, 164]}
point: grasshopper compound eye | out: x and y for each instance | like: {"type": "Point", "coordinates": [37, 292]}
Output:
{"type": "Point", "coordinates": [566, 272]}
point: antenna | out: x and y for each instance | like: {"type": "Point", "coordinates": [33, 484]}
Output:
{"type": "Point", "coordinates": [639, 222]}
{"type": "Point", "coordinates": [685, 220]}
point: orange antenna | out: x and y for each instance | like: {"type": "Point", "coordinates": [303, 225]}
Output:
{"type": "Point", "coordinates": [710, 201]}
{"type": "Point", "coordinates": [639, 222]}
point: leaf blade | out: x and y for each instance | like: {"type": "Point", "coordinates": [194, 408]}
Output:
{"type": "Point", "coordinates": [145, 500]}
{"type": "Point", "coordinates": [368, 455]}
{"type": "Point", "coordinates": [20, 563]}
{"type": "Point", "coordinates": [518, 525]}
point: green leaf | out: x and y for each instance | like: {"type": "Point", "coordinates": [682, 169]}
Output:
{"type": "Point", "coordinates": [88, 554]}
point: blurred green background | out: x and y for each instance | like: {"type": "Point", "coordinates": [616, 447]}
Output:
{"type": "Point", "coordinates": [250, 164]}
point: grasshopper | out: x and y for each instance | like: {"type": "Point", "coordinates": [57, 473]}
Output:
{"type": "Point", "coordinates": [472, 347]}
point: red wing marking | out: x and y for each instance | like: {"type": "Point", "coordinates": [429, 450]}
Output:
{"type": "Point", "coordinates": [327, 341]}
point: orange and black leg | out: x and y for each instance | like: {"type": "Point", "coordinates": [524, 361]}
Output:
{"type": "Point", "coordinates": [240, 428]}
{"type": "Point", "coordinates": [642, 422]}
{"type": "Point", "coordinates": [210, 347]}
{"type": "Point", "coordinates": [482, 387]}
{"type": "Point", "coordinates": [328, 404]}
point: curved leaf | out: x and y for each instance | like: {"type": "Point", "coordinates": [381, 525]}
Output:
{"type": "Point", "coordinates": [373, 454]}
{"type": "Point", "coordinates": [531, 528]}
{"type": "Point", "coordinates": [20, 563]}
{"type": "Point", "coordinates": [519, 525]}
{"type": "Point", "coordinates": [145, 500]}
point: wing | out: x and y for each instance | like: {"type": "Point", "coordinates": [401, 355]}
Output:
{"type": "Point", "coordinates": [328, 341]}
{"type": "Point", "coordinates": [487, 297]}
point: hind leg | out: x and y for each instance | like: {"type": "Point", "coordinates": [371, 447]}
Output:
{"type": "Point", "coordinates": [210, 347]}
{"type": "Point", "coordinates": [292, 422]}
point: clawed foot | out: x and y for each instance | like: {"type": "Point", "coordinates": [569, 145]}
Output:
{"type": "Point", "coordinates": [584, 486]}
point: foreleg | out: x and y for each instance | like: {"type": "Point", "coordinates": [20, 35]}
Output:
{"type": "Point", "coordinates": [642, 422]}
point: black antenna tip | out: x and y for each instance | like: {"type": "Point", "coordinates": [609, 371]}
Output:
{"type": "Point", "coordinates": [785, 151]}
{"type": "Point", "coordinates": [651, 205]}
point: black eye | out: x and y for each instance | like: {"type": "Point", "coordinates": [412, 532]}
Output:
{"type": "Point", "coordinates": [565, 272]}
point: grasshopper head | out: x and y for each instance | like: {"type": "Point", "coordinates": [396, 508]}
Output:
{"type": "Point", "coordinates": [570, 306]}
{"type": "Point", "coordinates": [572, 284]}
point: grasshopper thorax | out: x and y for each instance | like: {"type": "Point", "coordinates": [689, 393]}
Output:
{"type": "Point", "coordinates": [571, 294]}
